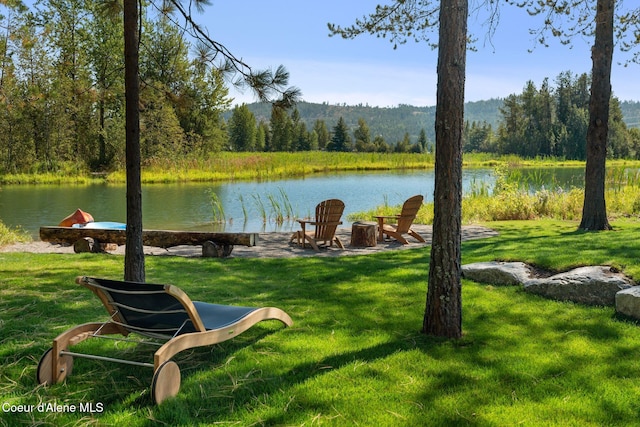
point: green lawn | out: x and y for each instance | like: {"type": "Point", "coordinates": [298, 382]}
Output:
{"type": "Point", "coordinates": [355, 355]}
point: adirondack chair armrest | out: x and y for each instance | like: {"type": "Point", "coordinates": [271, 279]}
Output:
{"type": "Point", "coordinates": [304, 222]}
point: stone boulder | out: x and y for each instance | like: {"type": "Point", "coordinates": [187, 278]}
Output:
{"type": "Point", "coordinates": [497, 273]}
{"type": "Point", "coordinates": [628, 302]}
{"type": "Point", "coordinates": [597, 285]}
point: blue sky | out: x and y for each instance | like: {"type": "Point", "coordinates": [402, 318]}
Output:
{"type": "Point", "coordinates": [368, 70]}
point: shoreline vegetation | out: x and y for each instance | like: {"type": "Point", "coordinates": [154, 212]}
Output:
{"type": "Point", "coordinates": [510, 198]}
{"type": "Point", "coordinates": [227, 166]}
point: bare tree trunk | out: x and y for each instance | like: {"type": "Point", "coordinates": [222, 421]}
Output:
{"type": "Point", "coordinates": [594, 211]}
{"type": "Point", "coordinates": [443, 314]}
{"type": "Point", "coordinates": [134, 252]}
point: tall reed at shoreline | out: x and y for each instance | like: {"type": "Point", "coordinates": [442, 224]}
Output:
{"type": "Point", "coordinates": [281, 209]}
{"type": "Point", "coordinates": [217, 208]}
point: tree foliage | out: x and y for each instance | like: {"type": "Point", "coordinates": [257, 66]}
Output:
{"type": "Point", "coordinates": [63, 89]}
{"type": "Point", "coordinates": [62, 97]}
{"type": "Point", "coordinates": [567, 19]}
{"type": "Point", "coordinates": [553, 121]}
{"type": "Point", "coordinates": [62, 94]}
{"type": "Point", "coordinates": [400, 21]}
{"type": "Point", "coordinates": [242, 129]}
{"type": "Point", "coordinates": [340, 139]}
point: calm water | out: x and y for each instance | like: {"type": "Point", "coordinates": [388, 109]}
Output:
{"type": "Point", "coordinates": [188, 206]}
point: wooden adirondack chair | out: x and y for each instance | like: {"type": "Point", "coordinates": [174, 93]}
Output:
{"type": "Point", "coordinates": [326, 222]}
{"type": "Point", "coordinates": [405, 221]}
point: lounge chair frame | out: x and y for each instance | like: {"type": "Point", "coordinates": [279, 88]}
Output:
{"type": "Point", "coordinates": [161, 312]}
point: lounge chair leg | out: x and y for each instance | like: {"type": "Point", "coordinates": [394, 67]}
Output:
{"type": "Point", "coordinates": [166, 381]}
{"type": "Point", "coordinates": [52, 371]}
{"type": "Point", "coordinates": [53, 367]}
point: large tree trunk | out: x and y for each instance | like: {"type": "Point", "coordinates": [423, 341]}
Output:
{"type": "Point", "coordinates": [134, 252]}
{"type": "Point", "coordinates": [594, 210]}
{"type": "Point", "coordinates": [443, 314]}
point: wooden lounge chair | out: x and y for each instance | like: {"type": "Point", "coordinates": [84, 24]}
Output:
{"type": "Point", "coordinates": [404, 221]}
{"type": "Point", "coordinates": [327, 219]}
{"type": "Point", "coordinates": [162, 312]}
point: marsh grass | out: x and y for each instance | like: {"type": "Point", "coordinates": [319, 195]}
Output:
{"type": "Point", "coordinates": [276, 209]}
{"type": "Point", "coordinates": [245, 214]}
{"type": "Point", "coordinates": [280, 207]}
{"type": "Point", "coordinates": [286, 203]}
{"type": "Point", "coordinates": [10, 235]}
{"type": "Point", "coordinates": [270, 166]}
{"type": "Point", "coordinates": [227, 166]}
{"type": "Point", "coordinates": [260, 206]}
{"type": "Point", "coordinates": [217, 208]}
{"type": "Point", "coordinates": [518, 194]}
{"type": "Point", "coordinates": [354, 355]}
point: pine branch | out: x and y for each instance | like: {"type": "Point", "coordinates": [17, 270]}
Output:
{"type": "Point", "coordinates": [263, 82]}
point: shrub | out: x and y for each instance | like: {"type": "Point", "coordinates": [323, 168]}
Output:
{"type": "Point", "coordinates": [9, 236]}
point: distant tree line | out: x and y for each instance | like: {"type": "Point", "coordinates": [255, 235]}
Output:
{"type": "Point", "coordinates": [550, 121]}
{"type": "Point", "coordinates": [546, 121]}
{"type": "Point", "coordinates": [287, 132]}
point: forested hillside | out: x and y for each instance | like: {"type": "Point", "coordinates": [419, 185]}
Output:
{"type": "Point", "coordinates": [546, 120]}
{"type": "Point", "coordinates": [631, 113]}
{"type": "Point", "coordinates": [392, 123]}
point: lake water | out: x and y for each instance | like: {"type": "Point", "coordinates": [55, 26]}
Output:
{"type": "Point", "coordinates": [247, 205]}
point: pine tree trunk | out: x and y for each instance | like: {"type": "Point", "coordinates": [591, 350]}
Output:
{"type": "Point", "coordinates": [134, 269]}
{"type": "Point", "coordinates": [102, 142]}
{"type": "Point", "coordinates": [443, 314]}
{"type": "Point", "coordinates": [594, 210]}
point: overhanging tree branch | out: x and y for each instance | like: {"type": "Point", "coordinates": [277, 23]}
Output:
{"type": "Point", "coordinates": [264, 83]}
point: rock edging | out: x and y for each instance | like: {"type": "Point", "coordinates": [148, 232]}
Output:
{"type": "Point", "coordinates": [593, 285]}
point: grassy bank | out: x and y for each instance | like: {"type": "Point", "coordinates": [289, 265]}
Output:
{"type": "Point", "coordinates": [272, 166]}
{"type": "Point", "coordinates": [227, 166]}
{"type": "Point", "coordinates": [354, 355]}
